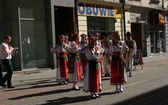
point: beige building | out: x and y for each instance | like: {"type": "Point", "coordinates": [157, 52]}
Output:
{"type": "Point", "coordinates": [145, 19]}
{"type": "Point", "coordinates": [148, 21]}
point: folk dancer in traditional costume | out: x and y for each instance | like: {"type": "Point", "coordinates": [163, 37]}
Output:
{"type": "Point", "coordinates": [118, 71]}
{"type": "Point", "coordinates": [131, 53]}
{"type": "Point", "coordinates": [66, 38]}
{"type": "Point", "coordinates": [67, 42]}
{"type": "Point", "coordinates": [105, 45]}
{"type": "Point", "coordinates": [62, 60]}
{"type": "Point", "coordinates": [74, 60]}
{"type": "Point", "coordinates": [92, 80]}
{"type": "Point", "coordinates": [99, 46]}
{"type": "Point", "coordinates": [83, 43]}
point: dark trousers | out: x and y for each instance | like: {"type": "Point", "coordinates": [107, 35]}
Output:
{"type": "Point", "coordinates": [0, 71]}
{"type": "Point", "coordinates": [8, 76]}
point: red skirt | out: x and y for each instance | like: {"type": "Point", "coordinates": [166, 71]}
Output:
{"type": "Point", "coordinates": [63, 65]}
{"type": "Point", "coordinates": [117, 70]}
{"type": "Point", "coordinates": [94, 79]}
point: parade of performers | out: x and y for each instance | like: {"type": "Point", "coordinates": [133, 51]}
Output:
{"type": "Point", "coordinates": [131, 54]}
{"type": "Point", "coordinates": [90, 57]}
{"type": "Point", "coordinates": [118, 50]}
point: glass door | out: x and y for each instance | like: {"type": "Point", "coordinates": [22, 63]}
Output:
{"type": "Point", "coordinates": [28, 44]}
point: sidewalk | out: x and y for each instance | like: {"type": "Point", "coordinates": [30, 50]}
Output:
{"type": "Point", "coordinates": [34, 76]}
{"type": "Point", "coordinates": [155, 57]}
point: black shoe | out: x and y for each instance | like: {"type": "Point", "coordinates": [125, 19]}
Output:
{"type": "Point", "coordinates": [61, 83]}
{"type": "Point", "coordinates": [3, 85]}
{"type": "Point", "coordinates": [11, 87]}
{"type": "Point", "coordinates": [65, 83]}
{"type": "Point", "coordinates": [108, 75]}
{"type": "Point", "coordinates": [93, 96]}
{"type": "Point", "coordinates": [67, 79]}
{"type": "Point", "coordinates": [74, 88]}
{"type": "Point", "coordinates": [130, 75]}
{"type": "Point", "coordinates": [97, 95]}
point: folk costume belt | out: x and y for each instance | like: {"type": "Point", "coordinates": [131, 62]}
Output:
{"type": "Point", "coordinates": [117, 54]}
{"type": "Point", "coordinates": [96, 60]}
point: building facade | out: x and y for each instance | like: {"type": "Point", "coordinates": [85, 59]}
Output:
{"type": "Point", "coordinates": [148, 21]}
{"type": "Point", "coordinates": [34, 25]}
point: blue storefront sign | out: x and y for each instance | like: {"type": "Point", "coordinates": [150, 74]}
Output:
{"type": "Point", "coordinates": [97, 10]}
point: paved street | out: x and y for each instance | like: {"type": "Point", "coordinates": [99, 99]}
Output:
{"type": "Point", "coordinates": [146, 87]}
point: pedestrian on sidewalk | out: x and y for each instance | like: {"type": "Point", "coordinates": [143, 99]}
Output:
{"type": "Point", "coordinates": [118, 50]}
{"type": "Point", "coordinates": [62, 61]}
{"type": "Point", "coordinates": [131, 53]}
{"type": "Point", "coordinates": [159, 44]}
{"type": "Point", "coordinates": [92, 80]}
{"type": "Point", "coordinates": [6, 56]}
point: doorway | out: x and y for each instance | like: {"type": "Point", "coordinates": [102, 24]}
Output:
{"type": "Point", "coordinates": [64, 21]}
{"type": "Point", "coordinates": [137, 30]}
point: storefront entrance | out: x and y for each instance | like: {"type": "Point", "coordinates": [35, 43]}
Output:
{"type": "Point", "coordinates": [156, 30]}
{"type": "Point", "coordinates": [139, 36]}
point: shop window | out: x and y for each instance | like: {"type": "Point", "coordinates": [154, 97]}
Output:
{"type": "Point", "coordinates": [101, 25]}
{"type": "Point", "coordinates": [32, 9]}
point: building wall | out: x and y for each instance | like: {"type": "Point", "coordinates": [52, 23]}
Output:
{"type": "Point", "coordinates": [82, 24]}
{"type": "Point", "coordinates": [145, 3]}
{"type": "Point", "coordinates": [2, 24]}
{"type": "Point", "coordinates": [166, 34]}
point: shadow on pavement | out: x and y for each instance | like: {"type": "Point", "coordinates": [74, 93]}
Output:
{"type": "Point", "coordinates": [36, 84]}
{"type": "Point", "coordinates": [155, 97]}
{"type": "Point", "coordinates": [41, 94]}
{"type": "Point", "coordinates": [67, 100]}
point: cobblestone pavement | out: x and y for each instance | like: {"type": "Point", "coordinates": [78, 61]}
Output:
{"type": "Point", "coordinates": [41, 88]}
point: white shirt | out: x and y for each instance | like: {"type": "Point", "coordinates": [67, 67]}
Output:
{"type": "Point", "coordinates": [121, 47]}
{"type": "Point", "coordinates": [58, 48]}
{"type": "Point", "coordinates": [93, 54]}
{"type": "Point", "coordinates": [5, 52]}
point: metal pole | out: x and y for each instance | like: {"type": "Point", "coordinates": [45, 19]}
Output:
{"type": "Point", "coordinates": [76, 16]}
{"type": "Point", "coordinates": [20, 36]}
{"type": "Point", "coordinates": [123, 11]}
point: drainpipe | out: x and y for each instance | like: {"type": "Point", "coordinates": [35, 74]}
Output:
{"type": "Point", "coordinates": [123, 12]}
{"type": "Point", "coordinates": [76, 16]}
{"type": "Point", "coordinates": [163, 4]}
